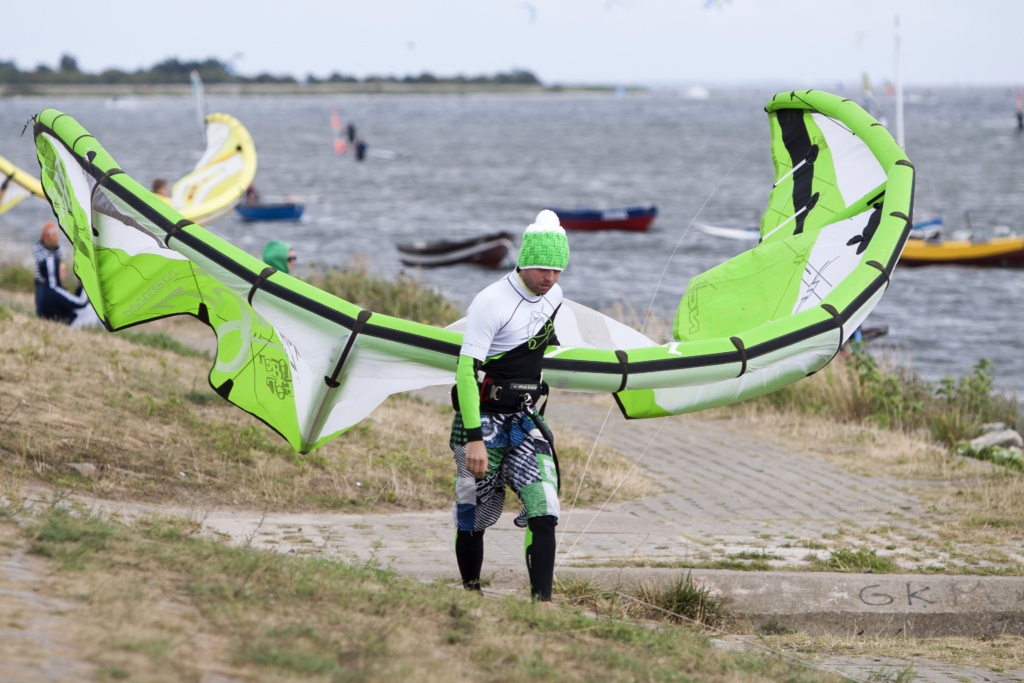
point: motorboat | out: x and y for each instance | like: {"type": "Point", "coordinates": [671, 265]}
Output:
{"type": "Point", "coordinates": [488, 251]}
{"type": "Point", "coordinates": [277, 211]}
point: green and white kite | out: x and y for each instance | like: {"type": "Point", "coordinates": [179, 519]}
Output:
{"type": "Point", "coordinates": [311, 365]}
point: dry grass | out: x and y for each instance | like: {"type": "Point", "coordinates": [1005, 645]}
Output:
{"type": "Point", "coordinates": [102, 414]}
{"type": "Point", "coordinates": [1002, 653]}
{"type": "Point", "coordinates": [405, 297]}
{"type": "Point", "coordinates": [682, 601]}
{"type": "Point", "coordinates": [155, 602]}
{"type": "Point", "coordinates": [655, 328]}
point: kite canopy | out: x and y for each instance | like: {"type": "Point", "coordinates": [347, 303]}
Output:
{"type": "Point", "coordinates": [838, 216]}
{"type": "Point", "coordinates": [15, 185]}
{"type": "Point", "coordinates": [311, 365]}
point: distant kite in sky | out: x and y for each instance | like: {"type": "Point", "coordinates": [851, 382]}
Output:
{"type": "Point", "coordinates": [531, 12]}
{"type": "Point", "coordinates": [720, 4]}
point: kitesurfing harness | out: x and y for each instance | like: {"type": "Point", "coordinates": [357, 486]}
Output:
{"type": "Point", "coordinates": [508, 396]}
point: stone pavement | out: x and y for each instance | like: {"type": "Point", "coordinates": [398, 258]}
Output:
{"type": "Point", "coordinates": [725, 494]}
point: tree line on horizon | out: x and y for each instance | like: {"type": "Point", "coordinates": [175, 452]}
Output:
{"type": "Point", "coordinates": [214, 71]}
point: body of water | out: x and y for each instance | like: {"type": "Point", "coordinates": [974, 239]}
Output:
{"type": "Point", "coordinates": [482, 163]}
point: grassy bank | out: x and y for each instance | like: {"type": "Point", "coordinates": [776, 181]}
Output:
{"type": "Point", "coordinates": [857, 389]}
{"type": "Point", "coordinates": [853, 389]}
{"type": "Point", "coordinates": [176, 440]}
{"type": "Point", "coordinates": [131, 417]}
{"type": "Point", "coordinates": [155, 601]}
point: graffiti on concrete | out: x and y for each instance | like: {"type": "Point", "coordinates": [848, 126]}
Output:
{"type": "Point", "coordinates": [920, 594]}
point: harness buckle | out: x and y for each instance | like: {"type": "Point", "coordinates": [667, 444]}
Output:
{"type": "Point", "coordinates": [509, 393]}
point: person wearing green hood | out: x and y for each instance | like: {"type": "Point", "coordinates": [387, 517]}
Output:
{"type": "Point", "coordinates": [279, 254]}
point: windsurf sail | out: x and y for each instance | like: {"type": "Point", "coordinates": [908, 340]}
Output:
{"type": "Point", "coordinates": [311, 365]}
{"type": "Point", "coordinates": [900, 138]}
{"type": "Point", "coordinates": [221, 176]}
{"type": "Point", "coordinates": [199, 98]}
{"type": "Point", "coordinates": [340, 144]}
{"type": "Point", "coordinates": [15, 185]}
{"type": "Point", "coordinates": [871, 102]}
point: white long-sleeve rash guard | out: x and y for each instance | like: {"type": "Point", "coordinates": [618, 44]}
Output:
{"type": "Point", "coordinates": [503, 317]}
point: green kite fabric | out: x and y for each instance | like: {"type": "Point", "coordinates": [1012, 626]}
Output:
{"type": "Point", "coordinates": [311, 365]}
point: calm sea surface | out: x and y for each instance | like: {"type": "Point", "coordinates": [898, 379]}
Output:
{"type": "Point", "coordinates": [481, 163]}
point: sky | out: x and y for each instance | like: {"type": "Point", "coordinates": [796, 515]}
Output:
{"type": "Point", "coordinates": [795, 43]}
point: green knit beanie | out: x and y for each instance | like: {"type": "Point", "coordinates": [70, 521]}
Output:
{"type": "Point", "coordinates": [544, 244]}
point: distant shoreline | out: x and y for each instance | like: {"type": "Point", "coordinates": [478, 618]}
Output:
{"type": "Point", "coordinates": [241, 89]}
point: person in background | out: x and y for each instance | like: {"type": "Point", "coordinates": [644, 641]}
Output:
{"type": "Point", "coordinates": [1020, 111]}
{"type": "Point", "coordinates": [498, 436]}
{"type": "Point", "coordinates": [53, 302]}
{"type": "Point", "coordinates": [280, 255]}
{"type": "Point", "coordinates": [161, 188]}
{"type": "Point", "coordinates": [252, 195]}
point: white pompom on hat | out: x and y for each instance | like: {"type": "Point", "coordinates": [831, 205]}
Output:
{"type": "Point", "coordinates": [545, 244]}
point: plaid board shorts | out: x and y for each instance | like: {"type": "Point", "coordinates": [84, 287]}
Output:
{"type": "Point", "coordinates": [518, 457]}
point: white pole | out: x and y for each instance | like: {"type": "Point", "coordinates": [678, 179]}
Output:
{"type": "Point", "coordinates": [899, 90]}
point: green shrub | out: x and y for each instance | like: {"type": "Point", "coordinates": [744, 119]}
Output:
{"type": "Point", "coordinates": [683, 600]}
{"type": "Point", "coordinates": [15, 277]}
{"type": "Point", "coordinates": [405, 297]}
{"type": "Point", "coordinates": [968, 403]}
{"type": "Point", "coordinates": [856, 389]}
{"type": "Point", "coordinates": [863, 560]}
{"type": "Point", "coordinates": [893, 401]}
{"type": "Point", "coordinates": [1011, 457]}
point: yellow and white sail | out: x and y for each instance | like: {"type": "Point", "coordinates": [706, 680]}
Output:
{"type": "Point", "coordinates": [15, 185]}
{"type": "Point", "coordinates": [223, 173]}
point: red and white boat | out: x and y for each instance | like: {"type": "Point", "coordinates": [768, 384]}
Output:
{"type": "Point", "coordinates": [633, 218]}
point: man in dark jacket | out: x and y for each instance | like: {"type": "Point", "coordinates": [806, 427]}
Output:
{"type": "Point", "coordinates": [53, 302]}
